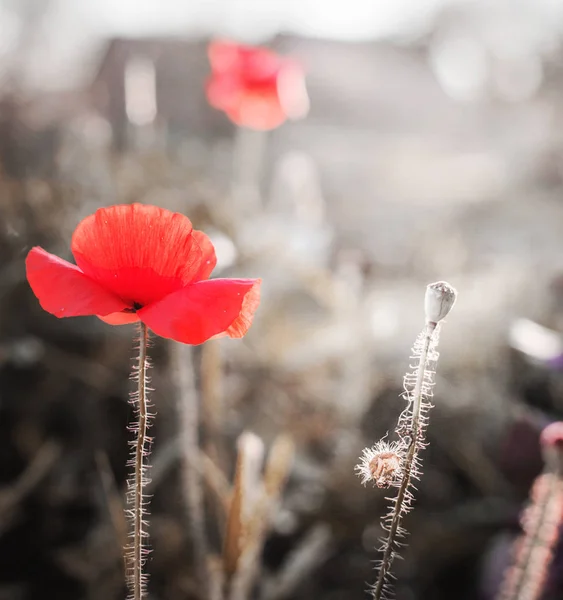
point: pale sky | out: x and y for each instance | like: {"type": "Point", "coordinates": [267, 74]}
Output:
{"type": "Point", "coordinates": [73, 31]}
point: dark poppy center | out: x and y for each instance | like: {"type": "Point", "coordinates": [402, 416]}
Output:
{"type": "Point", "coordinates": [136, 307]}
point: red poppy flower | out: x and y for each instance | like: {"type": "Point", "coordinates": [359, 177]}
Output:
{"type": "Point", "coordinates": [138, 262]}
{"type": "Point", "coordinates": [255, 87]}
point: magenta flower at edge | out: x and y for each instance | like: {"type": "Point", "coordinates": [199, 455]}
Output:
{"type": "Point", "coordinates": [138, 262]}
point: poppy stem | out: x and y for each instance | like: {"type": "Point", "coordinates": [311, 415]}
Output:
{"type": "Point", "coordinates": [411, 428]}
{"type": "Point", "coordinates": [137, 580]}
{"type": "Point", "coordinates": [248, 155]}
{"type": "Point", "coordinates": [533, 553]}
{"type": "Point", "coordinates": [412, 424]}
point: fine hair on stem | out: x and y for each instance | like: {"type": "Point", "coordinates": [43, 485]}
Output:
{"type": "Point", "coordinates": [137, 501]}
{"type": "Point", "coordinates": [397, 464]}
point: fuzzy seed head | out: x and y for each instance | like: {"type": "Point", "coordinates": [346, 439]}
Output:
{"type": "Point", "coordinates": [439, 300]}
{"type": "Point", "coordinates": [381, 464]}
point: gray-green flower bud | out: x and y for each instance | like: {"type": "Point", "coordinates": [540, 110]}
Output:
{"type": "Point", "coordinates": [439, 300]}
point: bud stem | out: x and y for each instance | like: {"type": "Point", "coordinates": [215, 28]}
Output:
{"type": "Point", "coordinates": [401, 500]}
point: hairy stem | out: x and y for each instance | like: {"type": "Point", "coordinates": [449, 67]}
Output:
{"type": "Point", "coordinates": [534, 551]}
{"type": "Point", "coordinates": [137, 581]}
{"type": "Point", "coordinates": [387, 559]}
{"type": "Point", "coordinates": [397, 464]}
{"type": "Point", "coordinates": [401, 501]}
{"type": "Point", "coordinates": [418, 388]}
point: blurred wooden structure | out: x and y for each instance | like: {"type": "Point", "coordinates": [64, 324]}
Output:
{"type": "Point", "coordinates": [174, 75]}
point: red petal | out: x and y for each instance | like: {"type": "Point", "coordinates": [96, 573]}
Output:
{"type": "Point", "coordinates": [260, 64]}
{"type": "Point", "coordinates": [64, 290]}
{"type": "Point", "coordinates": [245, 81]}
{"type": "Point", "coordinates": [224, 56]}
{"type": "Point", "coordinates": [205, 309]}
{"type": "Point", "coordinates": [224, 91]}
{"type": "Point", "coordinates": [120, 318]}
{"type": "Point", "coordinates": [252, 61]}
{"type": "Point", "coordinates": [258, 111]}
{"type": "Point", "coordinates": [242, 323]}
{"type": "Point", "coordinates": [208, 258]}
{"type": "Point", "coordinates": [140, 252]}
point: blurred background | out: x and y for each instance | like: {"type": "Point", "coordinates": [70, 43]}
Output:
{"type": "Point", "coordinates": [432, 150]}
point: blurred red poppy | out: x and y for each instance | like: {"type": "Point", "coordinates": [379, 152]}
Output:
{"type": "Point", "coordinates": [254, 86]}
{"type": "Point", "coordinates": [137, 262]}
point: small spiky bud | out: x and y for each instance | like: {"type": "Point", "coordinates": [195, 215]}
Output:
{"type": "Point", "coordinates": [552, 436]}
{"type": "Point", "coordinates": [439, 300]}
{"type": "Point", "coordinates": [541, 523]}
{"type": "Point", "coordinates": [551, 441]}
{"type": "Point", "coordinates": [382, 464]}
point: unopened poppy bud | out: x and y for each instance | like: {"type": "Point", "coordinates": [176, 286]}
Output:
{"type": "Point", "coordinates": [552, 435]}
{"type": "Point", "coordinates": [381, 464]}
{"type": "Point", "coordinates": [551, 440]}
{"type": "Point", "coordinates": [439, 300]}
